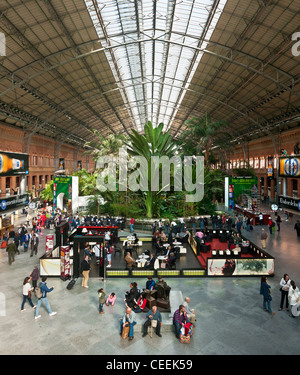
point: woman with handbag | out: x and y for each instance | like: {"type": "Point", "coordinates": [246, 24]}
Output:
{"type": "Point", "coordinates": [294, 297]}
{"type": "Point", "coordinates": [27, 289]}
{"type": "Point", "coordinates": [266, 293]}
{"type": "Point", "coordinates": [285, 283]}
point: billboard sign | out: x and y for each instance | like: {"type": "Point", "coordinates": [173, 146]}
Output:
{"type": "Point", "coordinates": [289, 166]}
{"type": "Point", "coordinates": [13, 164]}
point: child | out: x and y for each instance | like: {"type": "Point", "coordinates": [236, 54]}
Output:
{"type": "Point", "coordinates": [111, 299]}
{"type": "Point", "coordinates": [101, 295]}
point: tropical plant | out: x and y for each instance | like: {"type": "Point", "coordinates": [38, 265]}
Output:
{"type": "Point", "coordinates": [153, 143]}
{"type": "Point", "coordinates": [105, 145]}
{"type": "Point", "coordinates": [47, 193]}
{"type": "Point", "coordinates": [203, 136]}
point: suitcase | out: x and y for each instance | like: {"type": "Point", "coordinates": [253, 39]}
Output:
{"type": "Point", "coordinates": [71, 284]}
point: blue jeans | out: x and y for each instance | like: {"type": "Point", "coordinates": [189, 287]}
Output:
{"type": "Point", "coordinates": [24, 300]}
{"type": "Point", "coordinates": [131, 325]}
{"type": "Point", "coordinates": [265, 305]}
{"type": "Point", "coordinates": [46, 303]}
{"type": "Point", "coordinates": [131, 228]}
{"type": "Point", "coordinates": [101, 307]}
{"type": "Point", "coordinates": [177, 328]}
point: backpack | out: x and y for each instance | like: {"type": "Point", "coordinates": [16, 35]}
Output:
{"type": "Point", "coordinates": [38, 292]}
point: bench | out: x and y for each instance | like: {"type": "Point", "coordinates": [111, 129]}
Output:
{"type": "Point", "coordinates": [176, 299]}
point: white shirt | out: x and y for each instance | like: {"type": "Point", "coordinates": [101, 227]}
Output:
{"type": "Point", "coordinates": [96, 249]}
{"type": "Point", "coordinates": [285, 284]}
{"type": "Point", "coordinates": [26, 288]}
{"type": "Point", "coordinates": [293, 295]}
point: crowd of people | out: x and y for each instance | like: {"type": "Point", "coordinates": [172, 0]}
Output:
{"type": "Point", "coordinates": [290, 295]}
{"type": "Point", "coordinates": [136, 301]}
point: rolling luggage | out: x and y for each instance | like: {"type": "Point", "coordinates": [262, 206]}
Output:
{"type": "Point", "coordinates": [71, 284]}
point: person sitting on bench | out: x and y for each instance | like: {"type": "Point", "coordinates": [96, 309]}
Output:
{"type": "Point", "coordinates": [130, 262]}
{"type": "Point", "coordinates": [153, 317]}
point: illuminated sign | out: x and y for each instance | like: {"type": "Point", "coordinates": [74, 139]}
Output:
{"type": "Point", "coordinates": [289, 166]}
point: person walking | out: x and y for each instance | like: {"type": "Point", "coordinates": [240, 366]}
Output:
{"type": "Point", "coordinates": [27, 289]}
{"type": "Point", "coordinates": [11, 250]}
{"type": "Point", "coordinates": [34, 243]}
{"type": "Point", "coordinates": [266, 293]}
{"type": "Point", "coordinates": [131, 225]}
{"type": "Point", "coordinates": [153, 319]}
{"type": "Point", "coordinates": [101, 295]}
{"type": "Point", "coordinates": [278, 221]}
{"type": "Point", "coordinates": [297, 228]}
{"type": "Point", "coordinates": [294, 297]}
{"type": "Point", "coordinates": [85, 269]}
{"type": "Point", "coordinates": [35, 274]}
{"type": "Point", "coordinates": [44, 299]}
{"type": "Point", "coordinates": [263, 237]}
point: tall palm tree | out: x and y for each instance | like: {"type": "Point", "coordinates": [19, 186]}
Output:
{"type": "Point", "coordinates": [105, 145]}
{"type": "Point", "coordinates": [202, 136]}
{"type": "Point", "coordinates": [153, 143]}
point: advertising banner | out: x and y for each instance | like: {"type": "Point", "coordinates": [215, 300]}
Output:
{"type": "Point", "coordinates": [65, 265]}
{"type": "Point", "coordinates": [240, 267]}
{"type": "Point", "coordinates": [61, 184]}
{"type": "Point", "coordinates": [289, 166]}
{"type": "Point", "coordinates": [49, 242]}
{"type": "Point", "coordinates": [241, 185]}
{"type": "Point", "coordinates": [13, 202]}
{"type": "Point", "coordinates": [287, 202]}
{"type": "Point", "coordinates": [13, 164]}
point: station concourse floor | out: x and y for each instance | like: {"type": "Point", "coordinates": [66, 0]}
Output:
{"type": "Point", "coordinates": [229, 313]}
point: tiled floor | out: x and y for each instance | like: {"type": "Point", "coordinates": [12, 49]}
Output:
{"type": "Point", "coordinates": [230, 319]}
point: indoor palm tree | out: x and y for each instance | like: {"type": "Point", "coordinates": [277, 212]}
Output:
{"type": "Point", "coordinates": [202, 136]}
{"type": "Point", "coordinates": [153, 143]}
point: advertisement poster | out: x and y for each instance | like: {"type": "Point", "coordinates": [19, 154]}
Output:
{"type": "Point", "coordinates": [49, 242]}
{"type": "Point", "coordinates": [61, 184]}
{"type": "Point", "coordinates": [270, 167]}
{"type": "Point", "coordinates": [65, 264]}
{"type": "Point", "coordinates": [13, 202]}
{"type": "Point", "coordinates": [289, 166]}
{"type": "Point", "coordinates": [13, 164]}
{"type": "Point", "coordinates": [241, 185]}
{"type": "Point", "coordinates": [240, 267]}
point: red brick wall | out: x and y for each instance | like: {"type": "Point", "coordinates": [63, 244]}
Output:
{"type": "Point", "coordinates": [42, 152]}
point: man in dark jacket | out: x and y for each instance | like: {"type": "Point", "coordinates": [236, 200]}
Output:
{"type": "Point", "coordinates": [11, 250]}
{"type": "Point", "coordinates": [34, 243]}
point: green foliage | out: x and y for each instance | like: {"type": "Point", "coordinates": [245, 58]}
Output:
{"type": "Point", "coordinates": [47, 193]}
{"type": "Point", "coordinates": [153, 143]}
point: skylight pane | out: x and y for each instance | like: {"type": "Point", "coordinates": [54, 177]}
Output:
{"type": "Point", "coordinates": [155, 50]}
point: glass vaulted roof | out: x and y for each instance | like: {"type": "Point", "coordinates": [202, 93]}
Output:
{"type": "Point", "coordinates": [154, 48]}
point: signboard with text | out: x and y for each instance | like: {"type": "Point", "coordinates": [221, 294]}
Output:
{"type": "Point", "coordinates": [13, 164]}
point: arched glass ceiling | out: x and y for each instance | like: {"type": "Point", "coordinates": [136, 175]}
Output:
{"type": "Point", "coordinates": [148, 48]}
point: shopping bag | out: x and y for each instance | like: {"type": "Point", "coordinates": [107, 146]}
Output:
{"type": "Point", "coordinates": [3, 244]}
{"type": "Point", "coordinates": [125, 331]}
